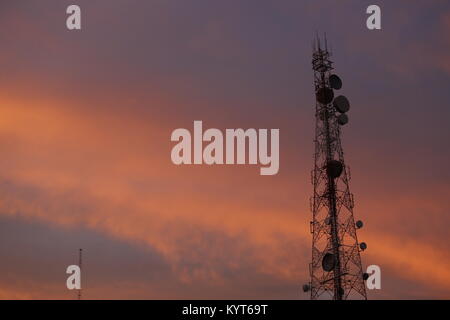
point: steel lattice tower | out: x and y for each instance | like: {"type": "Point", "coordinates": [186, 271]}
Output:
{"type": "Point", "coordinates": [336, 270]}
{"type": "Point", "coordinates": [79, 264]}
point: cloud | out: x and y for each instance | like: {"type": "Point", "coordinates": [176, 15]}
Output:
{"type": "Point", "coordinates": [85, 141]}
{"type": "Point", "coordinates": [103, 173]}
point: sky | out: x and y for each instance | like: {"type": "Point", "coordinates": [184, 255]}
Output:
{"type": "Point", "coordinates": [85, 124]}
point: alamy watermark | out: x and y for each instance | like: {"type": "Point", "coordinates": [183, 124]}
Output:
{"type": "Point", "coordinates": [74, 280]}
{"type": "Point", "coordinates": [236, 146]}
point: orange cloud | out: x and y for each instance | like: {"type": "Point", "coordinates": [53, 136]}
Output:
{"type": "Point", "coordinates": [112, 173]}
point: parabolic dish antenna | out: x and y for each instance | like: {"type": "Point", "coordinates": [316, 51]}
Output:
{"type": "Point", "coordinates": [324, 95]}
{"type": "Point", "coordinates": [342, 119]}
{"type": "Point", "coordinates": [328, 262]}
{"type": "Point", "coordinates": [341, 104]}
{"type": "Point", "coordinates": [334, 168]}
{"type": "Point", "coordinates": [335, 82]}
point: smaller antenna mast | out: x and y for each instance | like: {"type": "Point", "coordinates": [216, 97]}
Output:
{"type": "Point", "coordinates": [79, 264]}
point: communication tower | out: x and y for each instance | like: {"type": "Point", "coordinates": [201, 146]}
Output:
{"type": "Point", "coordinates": [335, 270]}
{"type": "Point", "coordinates": [79, 265]}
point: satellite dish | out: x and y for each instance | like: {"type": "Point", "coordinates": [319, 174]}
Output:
{"type": "Point", "coordinates": [335, 82]}
{"type": "Point", "coordinates": [341, 104]}
{"type": "Point", "coordinates": [324, 95]}
{"type": "Point", "coordinates": [334, 168]}
{"type": "Point", "coordinates": [306, 287]}
{"type": "Point", "coordinates": [328, 262]}
{"type": "Point", "coordinates": [363, 246]}
{"type": "Point", "coordinates": [365, 276]}
{"type": "Point", "coordinates": [359, 224]}
{"type": "Point", "coordinates": [342, 119]}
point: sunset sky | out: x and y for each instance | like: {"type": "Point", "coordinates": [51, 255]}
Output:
{"type": "Point", "coordinates": [85, 124]}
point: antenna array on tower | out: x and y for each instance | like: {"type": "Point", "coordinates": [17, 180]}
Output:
{"type": "Point", "coordinates": [335, 270]}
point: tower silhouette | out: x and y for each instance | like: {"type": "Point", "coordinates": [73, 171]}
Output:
{"type": "Point", "coordinates": [336, 269]}
{"type": "Point", "coordinates": [80, 254]}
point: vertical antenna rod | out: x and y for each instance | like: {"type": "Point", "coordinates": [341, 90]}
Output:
{"type": "Point", "coordinates": [79, 264]}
